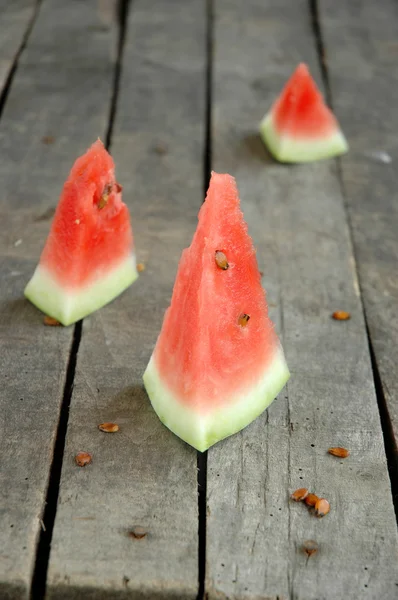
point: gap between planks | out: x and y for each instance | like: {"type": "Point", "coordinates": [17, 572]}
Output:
{"type": "Point", "coordinates": [207, 165]}
{"type": "Point", "coordinates": [390, 444]}
{"type": "Point", "coordinates": [39, 580]}
{"type": "Point", "coordinates": [7, 85]}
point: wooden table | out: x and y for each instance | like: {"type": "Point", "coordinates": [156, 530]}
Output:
{"type": "Point", "coordinates": [177, 88]}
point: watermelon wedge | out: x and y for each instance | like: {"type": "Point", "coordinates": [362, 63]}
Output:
{"type": "Point", "coordinates": [300, 127]}
{"type": "Point", "coordinates": [217, 363]}
{"type": "Point", "coordinates": [88, 258]}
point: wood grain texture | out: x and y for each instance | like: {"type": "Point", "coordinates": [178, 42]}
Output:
{"type": "Point", "coordinates": [142, 475]}
{"type": "Point", "coordinates": [53, 93]}
{"type": "Point", "coordinates": [362, 61]}
{"type": "Point", "coordinates": [297, 219]}
{"type": "Point", "coordinates": [15, 19]}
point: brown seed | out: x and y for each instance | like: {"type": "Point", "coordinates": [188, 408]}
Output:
{"type": "Point", "coordinates": [109, 427]}
{"type": "Point", "coordinates": [243, 319]}
{"type": "Point", "coordinates": [221, 260]}
{"type": "Point", "coordinates": [118, 187]}
{"type": "Point", "coordinates": [339, 452]}
{"type": "Point", "coordinates": [50, 321]}
{"type": "Point", "coordinates": [311, 499]}
{"type": "Point", "coordinates": [83, 458]}
{"type": "Point", "coordinates": [103, 201]}
{"type": "Point", "coordinates": [138, 532]}
{"type": "Point", "coordinates": [341, 315]}
{"type": "Point", "coordinates": [322, 507]}
{"type": "Point", "coordinates": [48, 139]}
{"type": "Point", "coordinates": [140, 267]}
{"type": "Point", "coordinates": [160, 148]}
{"type": "Point", "coordinates": [299, 494]}
{"type": "Point", "coordinates": [310, 547]}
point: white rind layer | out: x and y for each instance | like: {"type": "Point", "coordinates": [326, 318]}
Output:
{"type": "Point", "coordinates": [295, 150]}
{"type": "Point", "coordinates": [69, 305]}
{"type": "Point", "coordinates": [203, 430]}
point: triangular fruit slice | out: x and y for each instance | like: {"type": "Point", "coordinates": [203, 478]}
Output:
{"type": "Point", "coordinates": [217, 363]}
{"type": "Point", "coordinates": [89, 255]}
{"type": "Point", "coordinates": [300, 127]}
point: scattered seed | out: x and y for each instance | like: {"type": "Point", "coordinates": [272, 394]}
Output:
{"type": "Point", "coordinates": [118, 187]}
{"type": "Point", "coordinates": [311, 499]}
{"type": "Point", "coordinates": [83, 458]}
{"type": "Point", "coordinates": [103, 201]}
{"type": "Point", "coordinates": [109, 427]}
{"type": "Point", "coordinates": [140, 267]}
{"type": "Point", "coordinates": [138, 532]}
{"type": "Point", "coordinates": [261, 273]}
{"type": "Point", "coordinates": [160, 148]}
{"type": "Point", "coordinates": [339, 452]}
{"type": "Point", "coordinates": [221, 260]}
{"type": "Point", "coordinates": [50, 321]}
{"type": "Point", "coordinates": [77, 221]}
{"type": "Point", "coordinates": [48, 139]}
{"type": "Point", "coordinates": [341, 315]}
{"type": "Point", "coordinates": [322, 507]}
{"type": "Point", "coordinates": [243, 319]}
{"type": "Point", "coordinates": [299, 494]}
{"type": "Point", "coordinates": [310, 547]}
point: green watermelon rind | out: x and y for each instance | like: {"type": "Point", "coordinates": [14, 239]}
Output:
{"type": "Point", "coordinates": [68, 306]}
{"type": "Point", "coordinates": [292, 150]}
{"type": "Point", "coordinates": [203, 431]}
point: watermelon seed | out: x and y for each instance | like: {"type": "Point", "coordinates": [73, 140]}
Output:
{"type": "Point", "coordinates": [138, 533]}
{"type": "Point", "coordinates": [118, 187]}
{"type": "Point", "coordinates": [339, 452]}
{"type": "Point", "coordinates": [105, 196]}
{"type": "Point", "coordinates": [322, 507]}
{"type": "Point", "coordinates": [108, 427]}
{"type": "Point", "coordinates": [83, 458]}
{"type": "Point", "coordinates": [311, 500]}
{"type": "Point", "coordinates": [48, 139]}
{"type": "Point", "coordinates": [140, 267]}
{"type": "Point", "coordinates": [341, 315]}
{"type": "Point", "coordinates": [310, 547]}
{"type": "Point", "coordinates": [221, 260]}
{"type": "Point", "coordinates": [299, 494]}
{"type": "Point", "coordinates": [243, 319]}
{"type": "Point", "coordinates": [50, 321]}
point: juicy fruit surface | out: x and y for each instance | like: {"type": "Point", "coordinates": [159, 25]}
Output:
{"type": "Point", "coordinates": [91, 231]}
{"type": "Point", "coordinates": [203, 354]}
{"type": "Point", "coordinates": [300, 110]}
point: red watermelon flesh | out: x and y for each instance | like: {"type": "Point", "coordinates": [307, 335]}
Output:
{"type": "Point", "coordinates": [206, 373]}
{"type": "Point", "coordinates": [88, 258]}
{"type": "Point", "coordinates": [300, 127]}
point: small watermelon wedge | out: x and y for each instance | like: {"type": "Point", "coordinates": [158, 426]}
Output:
{"type": "Point", "coordinates": [88, 258]}
{"type": "Point", "coordinates": [217, 363]}
{"type": "Point", "coordinates": [300, 127]}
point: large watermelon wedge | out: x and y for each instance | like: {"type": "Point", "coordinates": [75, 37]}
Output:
{"type": "Point", "coordinates": [217, 363]}
{"type": "Point", "coordinates": [88, 258]}
{"type": "Point", "coordinates": [300, 127]}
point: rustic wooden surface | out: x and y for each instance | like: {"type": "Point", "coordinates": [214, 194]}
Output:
{"type": "Point", "coordinates": [147, 473]}
{"type": "Point", "coordinates": [61, 94]}
{"type": "Point", "coordinates": [362, 62]}
{"type": "Point", "coordinates": [297, 218]}
{"type": "Point", "coordinates": [47, 98]}
{"type": "Point", "coordinates": [15, 20]}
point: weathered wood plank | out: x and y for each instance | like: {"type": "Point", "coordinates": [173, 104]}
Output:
{"type": "Point", "coordinates": [53, 94]}
{"type": "Point", "coordinates": [142, 475]}
{"type": "Point", "coordinates": [297, 218]}
{"type": "Point", "coordinates": [15, 20]}
{"type": "Point", "coordinates": [362, 60]}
